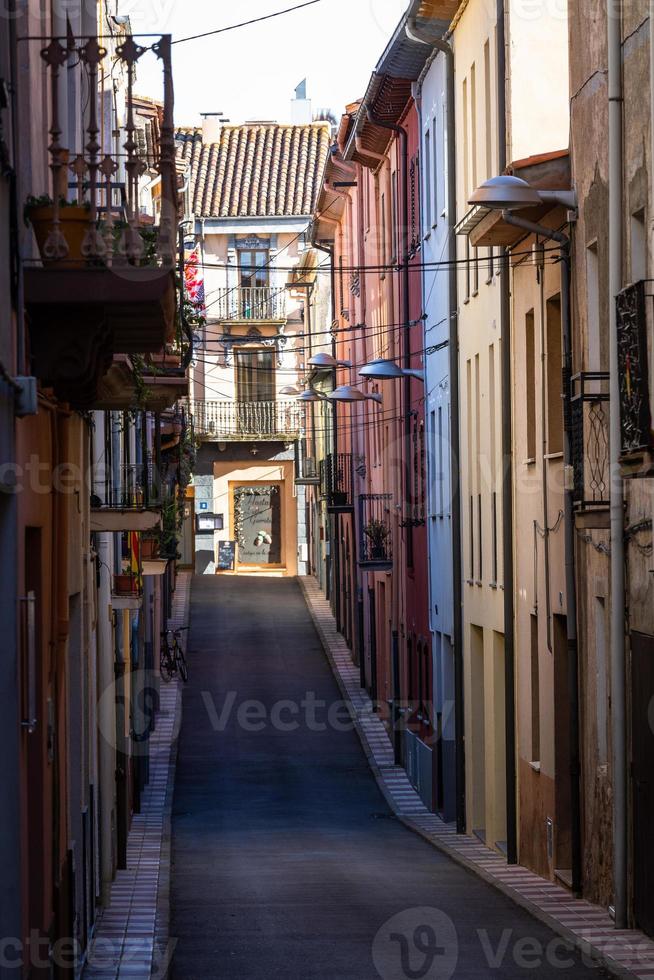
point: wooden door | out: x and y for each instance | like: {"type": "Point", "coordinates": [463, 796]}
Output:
{"type": "Point", "coordinates": [642, 677]}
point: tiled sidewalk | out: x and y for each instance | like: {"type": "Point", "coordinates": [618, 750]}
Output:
{"type": "Point", "coordinates": [131, 937]}
{"type": "Point", "coordinates": [626, 953]}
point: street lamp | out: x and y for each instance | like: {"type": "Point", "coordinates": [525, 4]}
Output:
{"type": "Point", "coordinates": [385, 370]}
{"type": "Point", "coordinates": [508, 193]}
{"type": "Point", "coordinates": [348, 393]}
{"type": "Point", "coordinates": [327, 361]}
{"type": "Point", "coordinates": [290, 390]}
{"type": "Point", "coordinates": [310, 395]}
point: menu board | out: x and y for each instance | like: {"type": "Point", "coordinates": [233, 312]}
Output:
{"type": "Point", "coordinates": [226, 556]}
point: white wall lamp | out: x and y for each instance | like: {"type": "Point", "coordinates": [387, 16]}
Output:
{"type": "Point", "coordinates": [348, 393]}
{"type": "Point", "coordinates": [289, 390]}
{"type": "Point", "coordinates": [508, 193]}
{"type": "Point", "coordinates": [327, 361]}
{"type": "Point", "coordinates": [311, 395]}
{"type": "Point", "coordinates": [385, 370]}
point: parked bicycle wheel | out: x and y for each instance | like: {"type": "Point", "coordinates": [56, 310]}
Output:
{"type": "Point", "coordinates": [181, 664]}
{"type": "Point", "coordinates": [167, 666]}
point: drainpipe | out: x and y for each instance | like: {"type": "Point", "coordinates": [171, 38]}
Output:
{"type": "Point", "coordinates": [618, 695]}
{"type": "Point", "coordinates": [442, 46]}
{"type": "Point", "coordinates": [507, 477]}
{"type": "Point", "coordinates": [401, 132]}
{"type": "Point", "coordinates": [569, 546]}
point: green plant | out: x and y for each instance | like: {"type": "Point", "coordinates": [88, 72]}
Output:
{"type": "Point", "coordinates": [138, 373]}
{"type": "Point", "coordinates": [172, 517]}
{"type": "Point", "coordinates": [378, 532]}
{"type": "Point", "coordinates": [45, 201]}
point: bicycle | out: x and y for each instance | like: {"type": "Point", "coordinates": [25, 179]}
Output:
{"type": "Point", "coordinates": [172, 659]}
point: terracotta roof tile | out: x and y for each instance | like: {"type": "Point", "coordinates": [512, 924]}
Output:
{"type": "Point", "coordinates": [258, 170]}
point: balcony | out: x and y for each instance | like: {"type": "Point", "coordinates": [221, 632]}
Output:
{"type": "Point", "coordinates": [127, 500]}
{"type": "Point", "coordinates": [229, 421]}
{"type": "Point", "coordinates": [251, 303]}
{"type": "Point", "coordinates": [336, 482]}
{"type": "Point", "coordinates": [105, 282]}
{"type": "Point", "coordinates": [375, 531]}
{"type": "Point", "coordinates": [306, 467]}
{"type": "Point", "coordinates": [637, 437]}
{"type": "Point", "coordinates": [155, 385]}
{"type": "Point", "coordinates": [590, 444]}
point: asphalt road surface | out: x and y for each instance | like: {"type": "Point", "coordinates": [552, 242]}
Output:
{"type": "Point", "coordinates": [286, 859]}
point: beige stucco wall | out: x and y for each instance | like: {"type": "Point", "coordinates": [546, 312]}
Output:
{"type": "Point", "coordinates": [212, 379]}
{"type": "Point", "coordinates": [229, 474]}
{"type": "Point", "coordinates": [537, 70]}
{"type": "Point", "coordinates": [479, 360]}
{"type": "Point", "coordinates": [533, 571]}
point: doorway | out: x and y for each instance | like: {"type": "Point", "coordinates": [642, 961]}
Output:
{"type": "Point", "coordinates": [478, 732]}
{"type": "Point", "coordinates": [562, 754]}
{"type": "Point", "coordinates": [642, 699]}
{"type": "Point", "coordinates": [257, 523]}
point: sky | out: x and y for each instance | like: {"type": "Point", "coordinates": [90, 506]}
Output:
{"type": "Point", "coordinates": [252, 72]}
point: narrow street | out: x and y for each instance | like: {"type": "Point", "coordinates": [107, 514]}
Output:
{"type": "Point", "coordinates": [286, 859]}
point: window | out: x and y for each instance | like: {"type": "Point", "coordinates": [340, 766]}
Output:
{"type": "Point", "coordinates": [466, 141]}
{"type": "Point", "coordinates": [638, 247]}
{"type": "Point", "coordinates": [593, 308]}
{"type": "Point", "coordinates": [535, 692]}
{"type": "Point", "coordinates": [530, 384]}
{"type": "Point", "coordinates": [255, 376]}
{"type": "Point", "coordinates": [253, 267]}
{"type": "Point", "coordinates": [473, 124]}
{"type": "Point", "coordinates": [554, 377]}
{"type": "Point", "coordinates": [434, 175]}
{"type": "Point", "coordinates": [466, 297]}
{"type": "Point", "coordinates": [428, 181]}
{"type": "Point", "coordinates": [475, 273]}
{"type": "Point", "coordinates": [487, 110]}
{"type": "Point", "coordinates": [382, 231]}
{"type": "Point", "coordinates": [395, 225]}
{"type": "Point", "coordinates": [601, 686]}
{"type": "Point", "coordinates": [414, 178]}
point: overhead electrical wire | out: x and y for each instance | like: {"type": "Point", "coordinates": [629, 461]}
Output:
{"type": "Point", "coordinates": [372, 267]}
{"type": "Point", "coordinates": [246, 23]}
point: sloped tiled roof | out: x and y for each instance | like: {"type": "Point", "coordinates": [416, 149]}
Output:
{"type": "Point", "coordinates": [260, 170]}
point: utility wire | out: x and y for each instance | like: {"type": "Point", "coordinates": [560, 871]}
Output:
{"type": "Point", "coordinates": [246, 23]}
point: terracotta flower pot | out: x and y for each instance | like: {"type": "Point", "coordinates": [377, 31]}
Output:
{"type": "Point", "coordinates": [74, 224]}
{"type": "Point", "coordinates": [125, 585]}
{"type": "Point", "coordinates": [149, 548]}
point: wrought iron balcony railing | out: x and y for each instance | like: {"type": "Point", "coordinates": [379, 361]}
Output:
{"type": "Point", "coordinates": [637, 437]}
{"type": "Point", "coordinates": [590, 439]}
{"type": "Point", "coordinates": [306, 467]}
{"type": "Point", "coordinates": [104, 171]}
{"type": "Point", "coordinates": [251, 303]}
{"type": "Point", "coordinates": [336, 481]}
{"type": "Point", "coordinates": [134, 487]}
{"type": "Point", "coordinates": [229, 421]}
{"type": "Point", "coordinates": [375, 531]}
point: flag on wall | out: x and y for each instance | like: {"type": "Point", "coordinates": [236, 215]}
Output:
{"type": "Point", "coordinates": [194, 280]}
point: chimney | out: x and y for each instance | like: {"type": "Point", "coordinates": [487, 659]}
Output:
{"type": "Point", "coordinates": [301, 114]}
{"type": "Point", "coordinates": [212, 125]}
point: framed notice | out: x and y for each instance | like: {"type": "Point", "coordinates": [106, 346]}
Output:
{"type": "Point", "coordinates": [209, 522]}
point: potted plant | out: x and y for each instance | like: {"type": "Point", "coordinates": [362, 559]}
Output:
{"type": "Point", "coordinates": [378, 533]}
{"type": "Point", "coordinates": [149, 546]}
{"type": "Point", "coordinates": [73, 223]}
{"type": "Point", "coordinates": [126, 584]}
